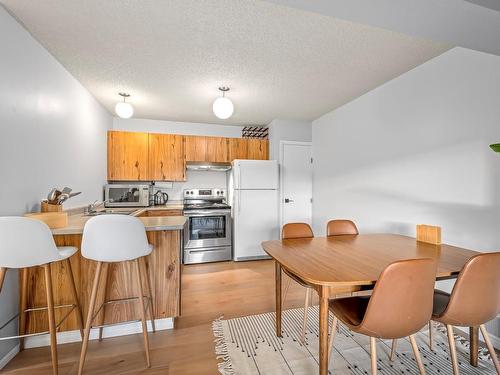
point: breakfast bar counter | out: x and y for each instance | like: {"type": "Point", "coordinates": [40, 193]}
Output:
{"type": "Point", "coordinates": [164, 267]}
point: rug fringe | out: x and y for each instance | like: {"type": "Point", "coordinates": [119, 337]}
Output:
{"type": "Point", "coordinates": [221, 350]}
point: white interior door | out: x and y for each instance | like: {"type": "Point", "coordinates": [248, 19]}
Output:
{"type": "Point", "coordinates": [296, 182]}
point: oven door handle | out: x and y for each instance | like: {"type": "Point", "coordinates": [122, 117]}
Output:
{"type": "Point", "coordinates": [196, 213]}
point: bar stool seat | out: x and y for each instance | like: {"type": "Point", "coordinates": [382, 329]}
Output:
{"type": "Point", "coordinates": [109, 239]}
{"type": "Point", "coordinates": [27, 243]}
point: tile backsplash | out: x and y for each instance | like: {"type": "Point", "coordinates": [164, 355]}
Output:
{"type": "Point", "coordinates": [195, 179]}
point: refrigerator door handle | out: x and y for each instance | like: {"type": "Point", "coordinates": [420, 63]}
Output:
{"type": "Point", "coordinates": [239, 202]}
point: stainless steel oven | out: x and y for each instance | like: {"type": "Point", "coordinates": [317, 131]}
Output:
{"type": "Point", "coordinates": [207, 236]}
{"type": "Point", "coordinates": [126, 195]}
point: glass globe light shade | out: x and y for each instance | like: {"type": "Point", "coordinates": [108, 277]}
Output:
{"type": "Point", "coordinates": [223, 107]}
{"type": "Point", "coordinates": [124, 110]}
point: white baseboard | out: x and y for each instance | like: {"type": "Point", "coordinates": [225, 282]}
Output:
{"type": "Point", "coordinates": [494, 339]}
{"type": "Point", "coordinates": [6, 359]}
{"type": "Point", "coordinates": [113, 331]}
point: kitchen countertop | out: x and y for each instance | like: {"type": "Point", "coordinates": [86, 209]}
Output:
{"type": "Point", "coordinates": [77, 221]}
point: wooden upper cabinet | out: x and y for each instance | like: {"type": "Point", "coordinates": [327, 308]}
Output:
{"type": "Point", "coordinates": [258, 149]}
{"type": "Point", "coordinates": [166, 157]}
{"type": "Point", "coordinates": [127, 156]}
{"type": "Point", "coordinates": [196, 148]}
{"type": "Point", "coordinates": [217, 149]}
{"type": "Point", "coordinates": [238, 148]}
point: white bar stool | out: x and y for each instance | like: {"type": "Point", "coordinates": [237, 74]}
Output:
{"type": "Point", "coordinates": [113, 239]}
{"type": "Point", "coordinates": [26, 243]}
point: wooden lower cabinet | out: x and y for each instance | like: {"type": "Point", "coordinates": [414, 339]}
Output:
{"type": "Point", "coordinates": [164, 267]}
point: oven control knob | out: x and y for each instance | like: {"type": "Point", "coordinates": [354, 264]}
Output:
{"type": "Point", "coordinates": [218, 192]}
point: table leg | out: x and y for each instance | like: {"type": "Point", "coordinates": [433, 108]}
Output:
{"type": "Point", "coordinates": [474, 345]}
{"type": "Point", "coordinates": [323, 330]}
{"type": "Point", "coordinates": [278, 297]}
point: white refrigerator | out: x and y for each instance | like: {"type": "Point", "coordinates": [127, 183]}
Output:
{"type": "Point", "coordinates": [253, 193]}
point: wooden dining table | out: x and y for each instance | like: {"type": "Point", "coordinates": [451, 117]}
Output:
{"type": "Point", "coordinates": [354, 262]}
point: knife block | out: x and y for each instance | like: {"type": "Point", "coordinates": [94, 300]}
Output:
{"type": "Point", "coordinates": [47, 207]}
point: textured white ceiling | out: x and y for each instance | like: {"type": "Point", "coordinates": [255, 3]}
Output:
{"type": "Point", "coordinates": [171, 56]}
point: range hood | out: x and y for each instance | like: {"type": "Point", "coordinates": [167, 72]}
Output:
{"type": "Point", "coordinates": [207, 166]}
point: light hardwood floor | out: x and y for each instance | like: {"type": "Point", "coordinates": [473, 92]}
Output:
{"type": "Point", "coordinates": [208, 291]}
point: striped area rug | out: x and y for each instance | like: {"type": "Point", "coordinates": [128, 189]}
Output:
{"type": "Point", "coordinates": [248, 345]}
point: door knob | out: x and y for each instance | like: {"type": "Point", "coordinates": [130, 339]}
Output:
{"type": "Point", "coordinates": [288, 200]}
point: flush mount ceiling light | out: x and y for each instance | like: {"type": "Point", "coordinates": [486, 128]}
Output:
{"type": "Point", "coordinates": [223, 107]}
{"type": "Point", "coordinates": [124, 109]}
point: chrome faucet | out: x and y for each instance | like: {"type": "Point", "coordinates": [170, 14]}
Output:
{"type": "Point", "coordinates": [92, 208]}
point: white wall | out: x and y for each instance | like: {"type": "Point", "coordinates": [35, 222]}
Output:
{"type": "Point", "coordinates": [52, 133]}
{"type": "Point", "coordinates": [415, 150]}
{"type": "Point", "coordinates": [287, 130]}
{"type": "Point", "coordinates": [174, 127]}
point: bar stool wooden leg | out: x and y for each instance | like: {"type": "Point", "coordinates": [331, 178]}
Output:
{"type": "Point", "coordinates": [393, 349]}
{"type": "Point", "coordinates": [373, 353]}
{"type": "Point", "coordinates": [417, 355]}
{"type": "Point", "coordinates": [88, 322]}
{"type": "Point", "coordinates": [143, 312]}
{"type": "Point", "coordinates": [78, 309]}
{"type": "Point", "coordinates": [491, 349]}
{"type": "Point", "coordinates": [105, 271]}
{"type": "Point", "coordinates": [3, 271]}
{"type": "Point", "coordinates": [23, 305]}
{"type": "Point", "coordinates": [52, 319]}
{"type": "Point", "coordinates": [453, 349]}
{"type": "Point", "coordinates": [150, 293]}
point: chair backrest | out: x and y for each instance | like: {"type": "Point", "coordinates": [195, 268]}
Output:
{"type": "Point", "coordinates": [296, 230]}
{"type": "Point", "coordinates": [114, 238]}
{"type": "Point", "coordinates": [340, 227]}
{"type": "Point", "coordinates": [475, 298]}
{"type": "Point", "coordinates": [25, 242]}
{"type": "Point", "coordinates": [401, 303]}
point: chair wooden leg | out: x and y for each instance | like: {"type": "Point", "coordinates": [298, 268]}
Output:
{"type": "Point", "coordinates": [102, 314]}
{"type": "Point", "coordinates": [393, 349]}
{"type": "Point", "coordinates": [88, 322]}
{"type": "Point", "coordinates": [491, 349]}
{"type": "Point", "coordinates": [52, 318]}
{"type": "Point", "coordinates": [150, 293]}
{"type": "Point", "coordinates": [142, 312]}
{"type": "Point", "coordinates": [333, 329]}
{"type": "Point", "coordinates": [373, 353]}
{"type": "Point", "coordinates": [417, 355]}
{"type": "Point", "coordinates": [306, 309]}
{"type": "Point", "coordinates": [78, 307]}
{"type": "Point", "coordinates": [287, 286]}
{"type": "Point", "coordinates": [453, 349]}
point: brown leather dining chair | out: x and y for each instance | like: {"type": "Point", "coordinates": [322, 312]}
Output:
{"type": "Point", "coordinates": [474, 300]}
{"type": "Point", "coordinates": [400, 305]}
{"type": "Point", "coordinates": [290, 231]}
{"type": "Point", "coordinates": [340, 227]}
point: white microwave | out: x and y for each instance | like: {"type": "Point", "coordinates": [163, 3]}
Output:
{"type": "Point", "coordinates": [126, 195]}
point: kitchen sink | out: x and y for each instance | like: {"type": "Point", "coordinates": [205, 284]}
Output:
{"type": "Point", "coordinates": [107, 212]}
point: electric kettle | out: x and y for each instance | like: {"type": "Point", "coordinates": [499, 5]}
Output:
{"type": "Point", "coordinates": [160, 198]}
